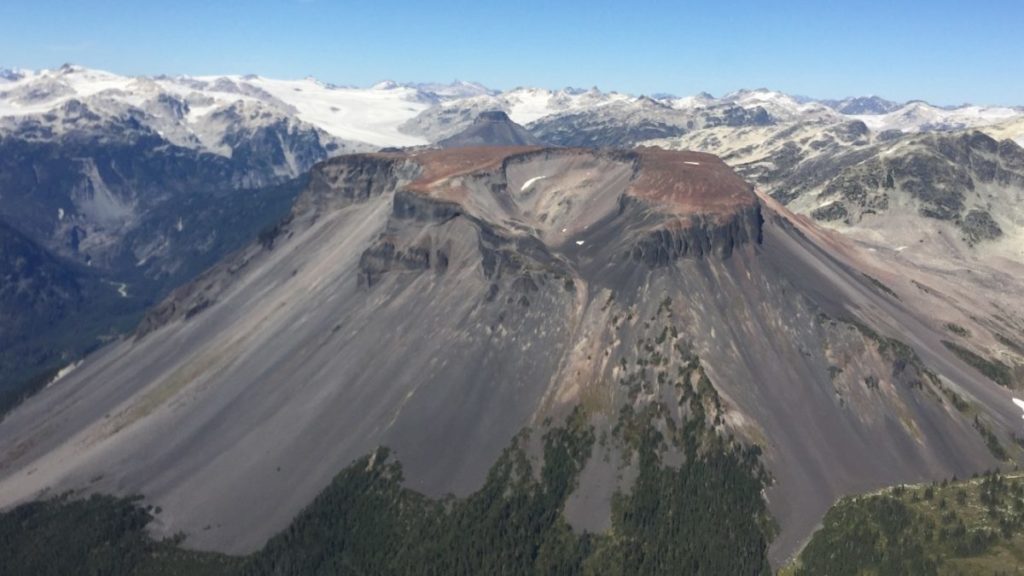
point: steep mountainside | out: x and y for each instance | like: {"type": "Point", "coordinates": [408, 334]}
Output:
{"type": "Point", "coordinates": [91, 304]}
{"type": "Point", "coordinates": [37, 291]}
{"type": "Point", "coordinates": [36, 286]}
{"type": "Point", "coordinates": [120, 175]}
{"type": "Point", "coordinates": [142, 214]}
{"type": "Point", "coordinates": [83, 196]}
{"type": "Point", "coordinates": [439, 301]}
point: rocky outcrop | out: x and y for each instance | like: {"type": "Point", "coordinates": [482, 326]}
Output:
{"type": "Point", "coordinates": [412, 206]}
{"type": "Point", "coordinates": [354, 178]}
{"type": "Point", "coordinates": [978, 225]}
{"type": "Point", "coordinates": [950, 177]}
{"type": "Point", "coordinates": [699, 237]}
{"type": "Point", "coordinates": [385, 257]}
{"type": "Point", "coordinates": [830, 212]}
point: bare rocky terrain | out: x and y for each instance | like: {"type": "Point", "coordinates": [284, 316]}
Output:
{"type": "Point", "coordinates": [438, 301]}
{"type": "Point", "coordinates": [942, 208]}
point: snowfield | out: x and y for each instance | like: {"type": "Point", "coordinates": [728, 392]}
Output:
{"type": "Point", "coordinates": [918, 116]}
{"type": "Point", "coordinates": [185, 108]}
{"type": "Point", "coordinates": [371, 115]}
{"type": "Point", "coordinates": [366, 115]}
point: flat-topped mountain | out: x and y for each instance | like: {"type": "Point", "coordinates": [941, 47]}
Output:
{"type": "Point", "coordinates": [439, 302]}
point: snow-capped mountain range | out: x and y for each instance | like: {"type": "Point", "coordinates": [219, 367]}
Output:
{"type": "Point", "coordinates": [202, 111]}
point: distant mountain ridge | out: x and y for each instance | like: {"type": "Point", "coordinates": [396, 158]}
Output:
{"type": "Point", "coordinates": [390, 114]}
{"type": "Point", "coordinates": [493, 128]}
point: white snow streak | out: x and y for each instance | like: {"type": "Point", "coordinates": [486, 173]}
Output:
{"type": "Point", "coordinates": [530, 182]}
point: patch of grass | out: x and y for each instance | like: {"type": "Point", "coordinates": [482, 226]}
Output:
{"type": "Point", "coordinates": [906, 364]}
{"type": "Point", "coordinates": [892, 347]}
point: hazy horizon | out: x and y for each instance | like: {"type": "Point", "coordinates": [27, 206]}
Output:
{"type": "Point", "coordinates": [442, 82]}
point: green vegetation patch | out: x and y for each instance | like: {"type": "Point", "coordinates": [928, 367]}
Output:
{"type": "Point", "coordinates": [994, 370]}
{"type": "Point", "coordinates": [967, 527]}
{"type": "Point", "coordinates": [99, 535]}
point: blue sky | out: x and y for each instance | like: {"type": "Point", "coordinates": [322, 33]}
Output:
{"type": "Point", "coordinates": [944, 51]}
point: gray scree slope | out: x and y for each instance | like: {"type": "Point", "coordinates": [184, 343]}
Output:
{"type": "Point", "coordinates": [438, 301]}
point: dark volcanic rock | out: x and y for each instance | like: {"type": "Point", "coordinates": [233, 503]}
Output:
{"type": "Point", "coordinates": [412, 206]}
{"type": "Point", "coordinates": [384, 257]}
{"type": "Point", "coordinates": [830, 212]}
{"type": "Point", "coordinates": [493, 128]}
{"type": "Point", "coordinates": [978, 225]}
{"type": "Point", "coordinates": [699, 238]}
{"type": "Point", "coordinates": [349, 179]}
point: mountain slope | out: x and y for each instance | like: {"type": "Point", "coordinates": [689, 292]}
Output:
{"type": "Point", "coordinates": [493, 128]}
{"type": "Point", "coordinates": [439, 301]}
{"type": "Point", "coordinates": [37, 291]}
{"type": "Point", "coordinates": [943, 205]}
{"type": "Point", "coordinates": [120, 175]}
{"type": "Point", "coordinates": [862, 105]}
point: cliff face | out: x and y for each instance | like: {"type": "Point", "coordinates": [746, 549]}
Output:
{"type": "Point", "coordinates": [658, 219]}
{"type": "Point", "coordinates": [700, 237]}
{"type": "Point", "coordinates": [439, 301]}
{"type": "Point", "coordinates": [337, 183]}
